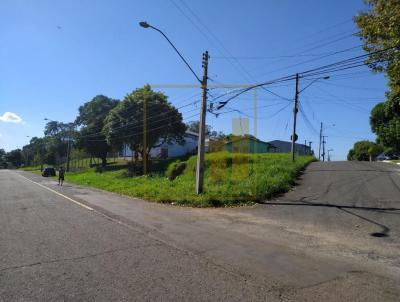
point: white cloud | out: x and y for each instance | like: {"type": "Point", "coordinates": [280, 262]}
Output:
{"type": "Point", "coordinates": [9, 117]}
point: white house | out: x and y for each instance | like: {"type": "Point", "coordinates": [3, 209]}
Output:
{"type": "Point", "coordinates": [173, 149]}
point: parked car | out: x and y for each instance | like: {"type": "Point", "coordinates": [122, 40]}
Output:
{"type": "Point", "coordinates": [49, 171]}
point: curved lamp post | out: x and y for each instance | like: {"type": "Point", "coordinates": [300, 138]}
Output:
{"type": "Point", "coordinates": [203, 82]}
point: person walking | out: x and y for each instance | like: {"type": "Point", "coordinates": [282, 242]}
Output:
{"type": "Point", "coordinates": [61, 174]}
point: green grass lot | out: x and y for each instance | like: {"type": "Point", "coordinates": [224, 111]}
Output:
{"type": "Point", "coordinates": [230, 179]}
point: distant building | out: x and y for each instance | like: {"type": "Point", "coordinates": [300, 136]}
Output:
{"type": "Point", "coordinates": [279, 146]}
{"type": "Point", "coordinates": [172, 149]}
{"type": "Point", "coordinates": [247, 144]}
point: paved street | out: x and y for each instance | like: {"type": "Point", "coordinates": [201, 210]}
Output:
{"type": "Point", "coordinates": [335, 237]}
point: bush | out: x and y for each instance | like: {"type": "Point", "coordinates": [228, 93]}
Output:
{"type": "Point", "coordinates": [175, 169]}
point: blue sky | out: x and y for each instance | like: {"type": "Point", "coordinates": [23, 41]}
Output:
{"type": "Point", "coordinates": [56, 55]}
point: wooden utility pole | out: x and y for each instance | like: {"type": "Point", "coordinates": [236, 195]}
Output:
{"type": "Point", "coordinates": [320, 141]}
{"type": "Point", "coordinates": [323, 147]}
{"type": "Point", "coordinates": [202, 129]}
{"type": "Point", "coordinates": [295, 109]}
{"type": "Point", "coordinates": [144, 154]}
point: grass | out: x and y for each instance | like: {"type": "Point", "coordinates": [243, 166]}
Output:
{"type": "Point", "coordinates": [33, 169]}
{"type": "Point", "coordinates": [230, 179]}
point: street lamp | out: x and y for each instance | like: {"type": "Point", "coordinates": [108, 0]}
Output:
{"type": "Point", "coordinates": [202, 128]}
{"type": "Point", "coordinates": [144, 24]}
{"type": "Point", "coordinates": [312, 82]}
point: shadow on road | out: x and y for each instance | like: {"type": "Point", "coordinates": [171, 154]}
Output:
{"type": "Point", "coordinates": [384, 232]}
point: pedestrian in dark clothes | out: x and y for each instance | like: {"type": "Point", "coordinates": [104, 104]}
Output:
{"type": "Point", "coordinates": [61, 174]}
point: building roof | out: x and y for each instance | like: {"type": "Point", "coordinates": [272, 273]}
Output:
{"type": "Point", "coordinates": [188, 132]}
{"type": "Point", "coordinates": [240, 138]}
{"type": "Point", "coordinates": [285, 142]}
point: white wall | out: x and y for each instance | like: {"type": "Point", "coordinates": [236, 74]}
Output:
{"type": "Point", "coordinates": [174, 149]}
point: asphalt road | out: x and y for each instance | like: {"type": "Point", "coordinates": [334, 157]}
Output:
{"type": "Point", "coordinates": [335, 237]}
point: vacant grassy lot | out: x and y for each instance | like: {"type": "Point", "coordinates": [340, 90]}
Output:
{"type": "Point", "coordinates": [230, 179]}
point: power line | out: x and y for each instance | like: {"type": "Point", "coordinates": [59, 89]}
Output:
{"type": "Point", "coordinates": [142, 132]}
{"type": "Point", "coordinates": [246, 73]}
{"type": "Point", "coordinates": [258, 118]}
{"type": "Point", "coordinates": [325, 69]}
{"type": "Point", "coordinates": [353, 87]}
{"type": "Point", "coordinates": [315, 59]}
{"type": "Point", "coordinates": [307, 121]}
{"type": "Point", "coordinates": [134, 122]}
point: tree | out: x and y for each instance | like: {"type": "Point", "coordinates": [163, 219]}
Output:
{"type": "Point", "coordinates": [374, 150]}
{"type": "Point", "coordinates": [193, 126]}
{"type": "Point", "coordinates": [14, 157]}
{"type": "Point", "coordinates": [124, 123]}
{"type": "Point", "coordinates": [91, 117]}
{"type": "Point", "coordinates": [364, 151]}
{"type": "Point", "coordinates": [380, 32]}
{"type": "Point", "coordinates": [386, 125]}
{"type": "Point", "coordinates": [2, 158]}
{"type": "Point", "coordinates": [58, 137]}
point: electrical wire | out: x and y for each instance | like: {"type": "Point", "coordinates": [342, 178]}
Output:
{"type": "Point", "coordinates": [150, 117]}
{"type": "Point", "coordinates": [142, 132]}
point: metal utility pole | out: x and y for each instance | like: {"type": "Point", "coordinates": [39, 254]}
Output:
{"type": "Point", "coordinates": [202, 128]}
{"type": "Point", "coordinates": [295, 109]}
{"type": "Point", "coordinates": [320, 141]}
{"type": "Point", "coordinates": [323, 147]}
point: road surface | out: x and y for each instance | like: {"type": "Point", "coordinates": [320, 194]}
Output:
{"type": "Point", "coordinates": [335, 237]}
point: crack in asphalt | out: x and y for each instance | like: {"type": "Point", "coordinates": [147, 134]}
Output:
{"type": "Point", "coordinates": [78, 257]}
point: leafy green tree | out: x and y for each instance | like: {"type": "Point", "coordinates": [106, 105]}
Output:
{"type": "Point", "coordinates": [380, 30]}
{"type": "Point", "coordinates": [193, 126]}
{"type": "Point", "coordinates": [364, 151]}
{"type": "Point", "coordinates": [14, 157]}
{"type": "Point", "coordinates": [57, 136]}
{"type": "Point", "coordinates": [351, 154]}
{"type": "Point", "coordinates": [2, 158]}
{"type": "Point", "coordinates": [91, 117]}
{"type": "Point", "coordinates": [386, 126]}
{"type": "Point", "coordinates": [380, 33]}
{"type": "Point", "coordinates": [124, 123]}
